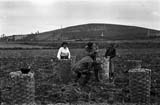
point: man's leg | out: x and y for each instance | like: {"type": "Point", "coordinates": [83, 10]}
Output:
{"type": "Point", "coordinates": [111, 71]}
{"type": "Point", "coordinates": [112, 65]}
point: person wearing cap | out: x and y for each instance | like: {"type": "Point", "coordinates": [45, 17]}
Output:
{"type": "Point", "coordinates": [93, 48]}
{"type": "Point", "coordinates": [63, 52]}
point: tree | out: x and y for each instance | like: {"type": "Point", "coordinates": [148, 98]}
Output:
{"type": "Point", "coordinates": [3, 35]}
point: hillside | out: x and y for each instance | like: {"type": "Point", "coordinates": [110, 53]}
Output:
{"type": "Point", "coordinates": [96, 32]}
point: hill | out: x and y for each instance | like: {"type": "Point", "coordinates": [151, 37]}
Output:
{"type": "Point", "coordinates": [95, 32]}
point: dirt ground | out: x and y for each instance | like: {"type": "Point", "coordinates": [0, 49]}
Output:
{"type": "Point", "coordinates": [47, 90]}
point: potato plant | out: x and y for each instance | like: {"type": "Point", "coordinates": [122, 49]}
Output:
{"type": "Point", "coordinates": [50, 89]}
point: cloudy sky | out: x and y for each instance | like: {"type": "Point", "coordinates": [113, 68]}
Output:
{"type": "Point", "coordinates": [26, 16]}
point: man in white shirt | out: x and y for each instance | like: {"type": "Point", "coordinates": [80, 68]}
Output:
{"type": "Point", "coordinates": [63, 52]}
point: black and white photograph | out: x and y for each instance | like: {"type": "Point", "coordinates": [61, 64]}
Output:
{"type": "Point", "coordinates": [79, 52]}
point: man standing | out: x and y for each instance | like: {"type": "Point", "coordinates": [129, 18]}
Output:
{"type": "Point", "coordinates": [110, 54]}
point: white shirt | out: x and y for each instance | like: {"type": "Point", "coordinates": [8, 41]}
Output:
{"type": "Point", "coordinates": [63, 52]}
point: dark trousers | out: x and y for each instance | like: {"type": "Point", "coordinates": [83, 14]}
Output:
{"type": "Point", "coordinates": [111, 70]}
{"type": "Point", "coordinates": [97, 68]}
{"type": "Point", "coordinates": [64, 57]}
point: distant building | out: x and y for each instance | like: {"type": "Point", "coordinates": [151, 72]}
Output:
{"type": "Point", "coordinates": [151, 33]}
{"type": "Point", "coordinates": [157, 34]}
{"type": "Point", "coordinates": [18, 37]}
{"type": "Point", "coordinates": [3, 35]}
{"type": "Point", "coordinates": [14, 37]}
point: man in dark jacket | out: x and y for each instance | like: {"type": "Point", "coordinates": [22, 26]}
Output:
{"type": "Point", "coordinates": [111, 51]}
{"type": "Point", "coordinates": [110, 54]}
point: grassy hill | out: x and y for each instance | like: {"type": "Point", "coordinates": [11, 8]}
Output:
{"type": "Point", "coordinates": [98, 32]}
{"type": "Point", "coordinates": [92, 32]}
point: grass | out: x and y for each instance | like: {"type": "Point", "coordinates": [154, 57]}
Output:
{"type": "Point", "coordinates": [74, 52]}
{"type": "Point", "coordinates": [14, 45]}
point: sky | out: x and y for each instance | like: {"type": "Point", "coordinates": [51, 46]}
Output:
{"type": "Point", "coordinates": [26, 16]}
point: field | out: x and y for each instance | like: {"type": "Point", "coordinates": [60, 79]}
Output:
{"type": "Point", "coordinates": [48, 89]}
{"type": "Point", "coordinates": [18, 46]}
